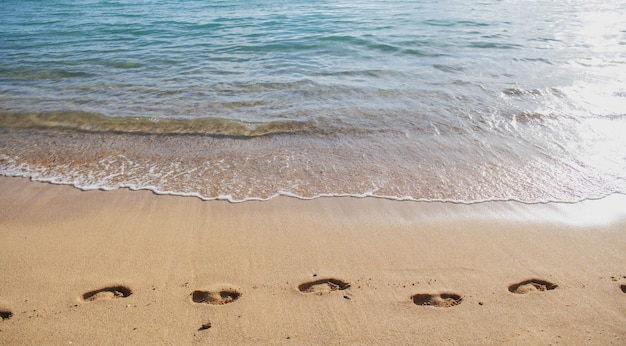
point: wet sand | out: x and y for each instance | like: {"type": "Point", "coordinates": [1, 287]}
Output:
{"type": "Point", "coordinates": [131, 267]}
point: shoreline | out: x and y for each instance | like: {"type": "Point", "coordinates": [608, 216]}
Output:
{"type": "Point", "coordinates": [168, 269]}
{"type": "Point", "coordinates": [286, 194]}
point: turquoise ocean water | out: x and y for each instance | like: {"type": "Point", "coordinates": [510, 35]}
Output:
{"type": "Point", "coordinates": [445, 100]}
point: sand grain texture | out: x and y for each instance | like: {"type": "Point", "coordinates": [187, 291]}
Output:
{"type": "Point", "coordinates": [69, 261]}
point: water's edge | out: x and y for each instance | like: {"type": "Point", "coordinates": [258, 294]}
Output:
{"type": "Point", "coordinates": [229, 199]}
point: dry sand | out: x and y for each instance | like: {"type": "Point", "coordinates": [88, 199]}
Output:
{"type": "Point", "coordinates": [124, 267]}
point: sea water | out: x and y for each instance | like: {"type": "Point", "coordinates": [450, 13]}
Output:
{"type": "Point", "coordinates": [448, 100]}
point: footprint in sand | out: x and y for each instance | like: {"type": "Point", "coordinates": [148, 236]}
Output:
{"type": "Point", "coordinates": [532, 285]}
{"type": "Point", "coordinates": [440, 300]}
{"type": "Point", "coordinates": [107, 293]}
{"type": "Point", "coordinates": [5, 315]}
{"type": "Point", "coordinates": [322, 286]}
{"type": "Point", "coordinates": [217, 297]}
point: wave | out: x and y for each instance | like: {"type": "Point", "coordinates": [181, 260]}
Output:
{"type": "Point", "coordinates": [307, 123]}
{"type": "Point", "coordinates": [96, 123]}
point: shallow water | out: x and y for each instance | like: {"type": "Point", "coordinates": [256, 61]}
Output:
{"type": "Point", "coordinates": [240, 100]}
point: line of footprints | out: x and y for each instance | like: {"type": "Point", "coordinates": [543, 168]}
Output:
{"type": "Point", "coordinates": [321, 286]}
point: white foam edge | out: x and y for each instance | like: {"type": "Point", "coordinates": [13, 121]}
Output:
{"type": "Point", "coordinates": [368, 194]}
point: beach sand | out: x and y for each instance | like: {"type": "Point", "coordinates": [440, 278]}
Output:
{"type": "Point", "coordinates": [130, 267]}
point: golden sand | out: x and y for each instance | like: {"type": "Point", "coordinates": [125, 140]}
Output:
{"type": "Point", "coordinates": [124, 267]}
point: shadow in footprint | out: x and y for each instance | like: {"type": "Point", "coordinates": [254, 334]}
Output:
{"type": "Point", "coordinates": [107, 293]}
{"type": "Point", "coordinates": [323, 286]}
{"type": "Point", "coordinates": [532, 285]}
{"type": "Point", "coordinates": [623, 287]}
{"type": "Point", "coordinates": [440, 300]}
{"type": "Point", "coordinates": [5, 315]}
{"type": "Point", "coordinates": [221, 297]}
